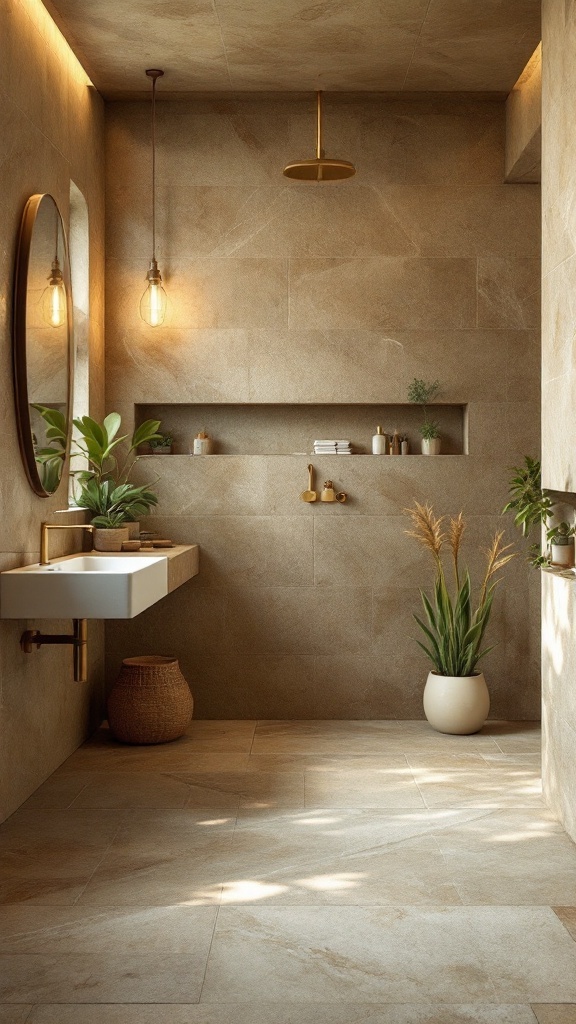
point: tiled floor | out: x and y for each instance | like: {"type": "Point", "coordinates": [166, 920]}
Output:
{"type": "Point", "coordinates": [291, 873]}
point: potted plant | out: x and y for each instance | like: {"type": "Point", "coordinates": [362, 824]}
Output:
{"type": "Point", "coordinates": [110, 531]}
{"type": "Point", "coordinates": [561, 540]}
{"type": "Point", "coordinates": [530, 504]}
{"type": "Point", "coordinates": [104, 488]}
{"type": "Point", "coordinates": [421, 392]}
{"type": "Point", "coordinates": [162, 445]}
{"type": "Point", "coordinates": [456, 698]}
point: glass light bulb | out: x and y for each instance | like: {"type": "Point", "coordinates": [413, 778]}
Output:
{"type": "Point", "coordinates": [153, 302]}
{"type": "Point", "coordinates": [54, 303]}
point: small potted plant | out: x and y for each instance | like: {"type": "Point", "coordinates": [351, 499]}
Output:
{"type": "Point", "coordinates": [110, 531]}
{"type": "Point", "coordinates": [421, 392]}
{"type": "Point", "coordinates": [561, 541]}
{"type": "Point", "coordinates": [162, 445]}
{"type": "Point", "coordinates": [456, 698]}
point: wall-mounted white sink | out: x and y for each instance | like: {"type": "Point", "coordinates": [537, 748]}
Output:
{"type": "Point", "coordinates": [84, 587]}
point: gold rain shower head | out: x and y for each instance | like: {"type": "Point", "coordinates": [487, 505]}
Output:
{"type": "Point", "coordinates": [320, 169]}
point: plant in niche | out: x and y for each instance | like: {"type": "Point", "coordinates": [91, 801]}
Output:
{"type": "Point", "coordinates": [561, 534]}
{"type": "Point", "coordinates": [422, 392]}
{"type": "Point", "coordinates": [531, 506]}
{"type": "Point", "coordinates": [455, 622]}
{"type": "Point", "coordinates": [104, 488]}
{"type": "Point", "coordinates": [162, 441]}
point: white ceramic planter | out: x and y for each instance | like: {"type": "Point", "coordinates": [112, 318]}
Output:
{"type": "Point", "coordinates": [563, 554]}
{"type": "Point", "coordinates": [457, 705]}
{"type": "Point", "coordinates": [431, 446]}
{"type": "Point", "coordinates": [109, 540]}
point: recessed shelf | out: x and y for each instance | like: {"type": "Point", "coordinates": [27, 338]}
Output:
{"type": "Point", "coordinates": [274, 429]}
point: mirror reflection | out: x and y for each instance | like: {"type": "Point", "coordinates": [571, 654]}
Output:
{"type": "Point", "coordinates": [42, 344]}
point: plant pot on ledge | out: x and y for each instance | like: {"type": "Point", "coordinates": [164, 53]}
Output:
{"type": "Point", "coordinates": [109, 539]}
{"type": "Point", "coordinates": [431, 445]}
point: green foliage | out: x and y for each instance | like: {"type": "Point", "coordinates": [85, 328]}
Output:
{"type": "Point", "coordinates": [530, 504]}
{"type": "Point", "coordinates": [454, 622]}
{"type": "Point", "coordinates": [421, 391]}
{"type": "Point", "coordinates": [429, 430]}
{"type": "Point", "coordinates": [109, 521]}
{"type": "Point", "coordinates": [103, 488]}
{"type": "Point", "coordinates": [51, 459]}
{"type": "Point", "coordinates": [162, 441]}
{"type": "Point", "coordinates": [454, 629]}
{"type": "Point", "coordinates": [560, 534]}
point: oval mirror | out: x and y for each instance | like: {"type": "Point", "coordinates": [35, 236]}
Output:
{"type": "Point", "coordinates": [42, 344]}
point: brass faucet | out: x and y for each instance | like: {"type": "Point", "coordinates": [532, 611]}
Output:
{"type": "Point", "coordinates": [44, 560]}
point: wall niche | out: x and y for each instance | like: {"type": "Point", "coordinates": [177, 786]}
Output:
{"type": "Point", "coordinates": [291, 429]}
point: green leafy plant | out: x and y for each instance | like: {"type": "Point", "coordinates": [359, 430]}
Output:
{"type": "Point", "coordinates": [162, 441]}
{"type": "Point", "coordinates": [104, 487]}
{"type": "Point", "coordinates": [109, 521]}
{"type": "Point", "coordinates": [51, 458]}
{"type": "Point", "coordinates": [455, 622]}
{"type": "Point", "coordinates": [422, 392]}
{"type": "Point", "coordinates": [560, 534]}
{"type": "Point", "coordinates": [430, 430]}
{"type": "Point", "coordinates": [530, 504]}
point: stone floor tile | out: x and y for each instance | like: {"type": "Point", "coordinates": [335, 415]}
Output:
{"type": "Point", "coordinates": [280, 1013]}
{"type": "Point", "coordinates": [15, 1014]}
{"type": "Point", "coordinates": [493, 876]}
{"type": "Point", "coordinates": [75, 955]}
{"type": "Point", "coordinates": [324, 762]}
{"type": "Point", "coordinates": [47, 857]}
{"type": "Point", "coordinates": [164, 858]}
{"type": "Point", "coordinates": [555, 1013]}
{"type": "Point", "coordinates": [59, 791]}
{"type": "Point", "coordinates": [387, 787]}
{"type": "Point", "coordinates": [244, 789]}
{"type": "Point", "coordinates": [326, 737]}
{"type": "Point", "coordinates": [222, 736]}
{"type": "Point", "coordinates": [128, 789]}
{"type": "Point", "coordinates": [517, 737]}
{"type": "Point", "coordinates": [488, 787]}
{"type": "Point", "coordinates": [567, 915]}
{"type": "Point", "coordinates": [347, 954]}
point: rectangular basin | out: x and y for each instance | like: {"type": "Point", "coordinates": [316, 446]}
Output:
{"type": "Point", "coordinates": [84, 587]}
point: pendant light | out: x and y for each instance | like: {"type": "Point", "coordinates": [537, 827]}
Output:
{"type": "Point", "coordinates": [153, 302]}
{"type": "Point", "coordinates": [54, 302]}
{"type": "Point", "coordinates": [320, 169]}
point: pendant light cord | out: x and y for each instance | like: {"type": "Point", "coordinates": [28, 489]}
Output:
{"type": "Point", "coordinates": [154, 74]}
{"type": "Point", "coordinates": [154, 169]}
{"type": "Point", "coordinates": [319, 153]}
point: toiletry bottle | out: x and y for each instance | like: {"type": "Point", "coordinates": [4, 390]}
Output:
{"type": "Point", "coordinates": [379, 442]}
{"type": "Point", "coordinates": [395, 446]}
{"type": "Point", "coordinates": [404, 446]}
{"type": "Point", "coordinates": [202, 444]}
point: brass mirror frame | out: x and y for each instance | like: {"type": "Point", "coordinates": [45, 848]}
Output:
{"type": "Point", "coordinates": [19, 342]}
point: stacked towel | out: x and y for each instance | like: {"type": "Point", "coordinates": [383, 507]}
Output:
{"type": "Point", "coordinates": [332, 447]}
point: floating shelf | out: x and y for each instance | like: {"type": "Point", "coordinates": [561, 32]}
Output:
{"type": "Point", "coordinates": [291, 429]}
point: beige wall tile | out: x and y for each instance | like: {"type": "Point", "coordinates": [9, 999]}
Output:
{"type": "Point", "coordinates": [382, 294]}
{"type": "Point", "coordinates": [288, 295]}
{"type": "Point", "coordinates": [43, 92]}
{"type": "Point", "coordinates": [508, 292]}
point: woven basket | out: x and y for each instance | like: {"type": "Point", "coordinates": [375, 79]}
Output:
{"type": "Point", "coordinates": [150, 701]}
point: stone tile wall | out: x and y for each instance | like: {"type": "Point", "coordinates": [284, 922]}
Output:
{"type": "Point", "coordinates": [51, 125]}
{"type": "Point", "coordinates": [558, 395]}
{"type": "Point", "coordinates": [425, 265]}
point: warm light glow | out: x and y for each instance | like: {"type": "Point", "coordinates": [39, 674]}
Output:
{"type": "Point", "coordinates": [54, 304]}
{"type": "Point", "coordinates": [153, 305]}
